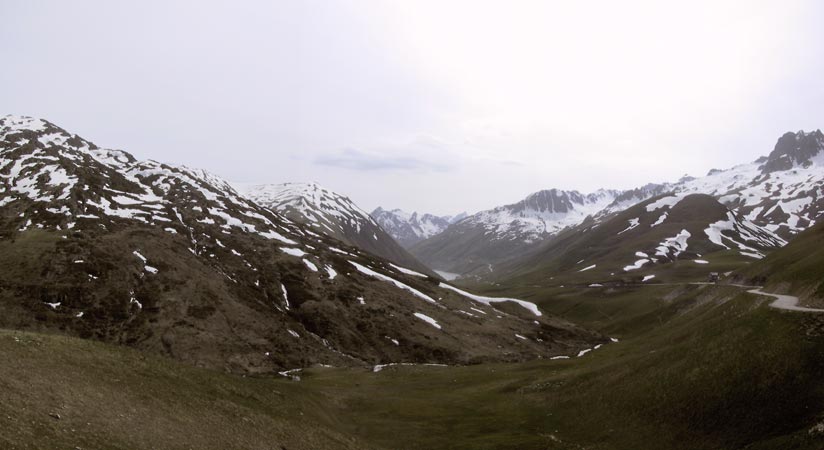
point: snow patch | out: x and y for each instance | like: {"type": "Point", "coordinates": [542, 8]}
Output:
{"type": "Point", "coordinates": [380, 276]}
{"type": "Point", "coordinates": [489, 300]}
{"type": "Point", "coordinates": [428, 320]}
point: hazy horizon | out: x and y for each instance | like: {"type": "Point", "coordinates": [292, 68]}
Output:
{"type": "Point", "coordinates": [436, 107]}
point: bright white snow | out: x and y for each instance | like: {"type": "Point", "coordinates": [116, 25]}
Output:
{"type": "Point", "coordinates": [428, 320]}
{"type": "Point", "coordinates": [380, 276]}
{"type": "Point", "coordinates": [488, 300]}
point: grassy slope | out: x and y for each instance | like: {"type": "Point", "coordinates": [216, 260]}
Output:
{"type": "Point", "coordinates": [719, 376]}
{"type": "Point", "coordinates": [690, 372]}
{"type": "Point", "coordinates": [110, 397]}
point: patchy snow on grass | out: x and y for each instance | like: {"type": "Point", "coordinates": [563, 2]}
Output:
{"type": "Point", "coordinates": [285, 295]}
{"type": "Point", "coordinates": [521, 337]}
{"type": "Point", "coordinates": [647, 278]}
{"type": "Point", "coordinates": [636, 265]}
{"type": "Point", "coordinates": [278, 237]}
{"type": "Point", "coordinates": [666, 202]}
{"type": "Point", "coordinates": [150, 269]}
{"type": "Point", "coordinates": [142, 258]}
{"type": "Point", "coordinates": [331, 272]}
{"type": "Point", "coordinates": [408, 271]}
{"type": "Point", "coordinates": [488, 300]}
{"type": "Point", "coordinates": [380, 276]}
{"type": "Point", "coordinates": [428, 320]}
{"type": "Point", "coordinates": [588, 268]}
{"type": "Point", "coordinates": [632, 224]}
{"type": "Point", "coordinates": [293, 251]}
{"type": "Point", "coordinates": [380, 367]}
{"type": "Point", "coordinates": [753, 255]}
{"type": "Point", "coordinates": [478, 310]}
{"type": "Point", "coordinates": [660, 220]}
{"type": "Point", "coordinates": [701, 261]}
{"type": "Point", "coordinates": [310, 265]}
{"type": "Point", "coordinates": [675, 244]}
{"type": "Point", "coordinates": [594, 285]}
{"type": "Point", "coordinates": [293, 333]}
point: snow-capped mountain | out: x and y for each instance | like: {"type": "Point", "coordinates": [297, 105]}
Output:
{"type": "Point", "coordinates": [783, 192]}
{"type": "Point", "coordinates": [98, 244]}
{"type": "Point", "coordinates": [480, 242]}
{"type": "Point", "coordinates": [541, 213]}
{"type": "Point", "coordinates": [332, 214]}
{"type": "Point", "coordinates": [409, 229]}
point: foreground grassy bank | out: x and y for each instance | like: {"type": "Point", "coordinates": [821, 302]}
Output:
{"type": "Point", "coordinates": [705, 374]}
{"type": "Point", "coordinates": [60, 392]}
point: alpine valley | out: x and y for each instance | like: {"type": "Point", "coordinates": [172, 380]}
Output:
{"type": "Point", "coordinates": [148, 305]}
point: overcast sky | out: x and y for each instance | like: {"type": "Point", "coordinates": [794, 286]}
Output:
{"type": "Point", "coordinates": [437, 106]}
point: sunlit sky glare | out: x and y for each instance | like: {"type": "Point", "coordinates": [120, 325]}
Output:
{"type": "Point", "coordinates": [435, 106]}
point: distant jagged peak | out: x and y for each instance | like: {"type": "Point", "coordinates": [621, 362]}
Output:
{"type": "Point", "coordinates": [798, 149]}
{"type": "Point", "coordinates": [554, 201]}
{"type": "Point", "coordinates": [410, 228]}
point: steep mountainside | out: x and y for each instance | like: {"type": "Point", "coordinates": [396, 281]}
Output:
{"type": "Point", "coordinates": [332, 214]}
{"type": "Point", "coordinates": [661, 238]}
{"type": "Point", "coordinates": [409, 229]}
{"type": "Point", "coordinates": [100, 245]}
{"type": "Point", "coordinates": [479, 243]}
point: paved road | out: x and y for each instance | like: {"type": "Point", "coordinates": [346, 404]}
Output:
{"type": "Point", "coordinates": [787, 302]}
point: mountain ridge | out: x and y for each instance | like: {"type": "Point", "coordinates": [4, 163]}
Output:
{"type": "Point", "coordinates": [411, 228]}
{"type": "Point", "coordinates": [782, 192]}
{"type": "Point", "coordinates": [333, 214]}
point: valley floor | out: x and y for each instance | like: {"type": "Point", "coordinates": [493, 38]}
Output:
{"type": "Point", "coordinates": [701, 367]}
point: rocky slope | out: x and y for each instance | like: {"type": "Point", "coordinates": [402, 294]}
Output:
{"type": "Point", "coordinates": [409, 229]}
{"type": "Point", "coordinates": [98, 244]}
{"type": "Point", "coordinates": [332, 214]}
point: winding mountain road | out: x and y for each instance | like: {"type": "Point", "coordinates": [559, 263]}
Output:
{"type": "Point", "coordinates": [786, 302]}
